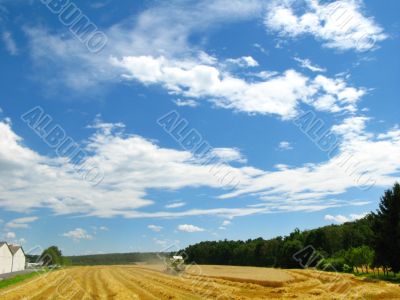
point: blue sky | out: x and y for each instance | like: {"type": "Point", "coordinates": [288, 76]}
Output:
{"type": "Point", "coordinates": [260, 87]}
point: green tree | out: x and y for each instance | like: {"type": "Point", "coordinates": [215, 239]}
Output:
{"type": "Point", "coordinates": [290, 247]}
{"type": "Point", "coordinates": [387, 230]}
{"type": "Point", "coordinates": [51, 256]}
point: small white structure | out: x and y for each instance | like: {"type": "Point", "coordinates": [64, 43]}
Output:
{"type": "Point", "coordinates": [177, 257]}
{"type": "Point", "coordinates": [18, 261]}
{"type": "Point", "coordinates": [12, 258]}
{"type": "Point", "coordinates": [5, 258]}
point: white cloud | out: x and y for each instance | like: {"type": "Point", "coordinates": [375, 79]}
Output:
{"type": "Point", "coordinates": [103, 228]}
{"type": "Point", "coordinates": [285, 145]}
{"type": "Point", "coordinates": [259, 47]}
{"type": "Point", "coordinates": [224, 224]}
{"type": "Point", "coordinates": [155, 228]}
{"type": "Point", "coordinates": [229, 154]}
{"type": "Point", "coordinates": [78, 234]}
{"type": "Point", "coordinates": [21, 222]}
{"type": "Point", "coordinates": [189, 228]}
{"type": "Point", "coordinates": [10, 235]}
{"type": "Point", "coordinates": [307, 64]}
{"type": "Point", "coordinates": [362, 160]}
{"type": "Point", "coordinates": [146, 33]}
{"type": "Point", "coordinates": [181, 68]}
{"type": "Point", "coordinates": [340, 24]}
{"type": "Point", "coordinates": [175, 204]}
{"type": "Point", "coordinates": [244, 61]}
{"type": "Point", "coordinates": [10, 43]}
{"type": "Point", "coordinates": [133, 165]}
{"type": "Point", "coordinates": [187, 102]}
{"type": "Point", "coordinates": [278, 94]}
{"type": "Point", "coordinates": [343, 219]}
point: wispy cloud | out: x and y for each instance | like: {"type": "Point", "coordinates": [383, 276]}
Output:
{"type": "Point", "coordinates": [9, 43]}
{"type": "Point", "coordinates": [21, 222]}
{"type": "Point", "coordinates": [307, 64]}
{"type": "Point", "coordinates": [10, 235]}
{"type": "Point", "coordinates": [155, 228]}
{"type": "Point", "coordinates": [186, 102]}
{"type": "Point", "coordinates": [149, 166]}
{"type": "Point", "coordinates": [175, 204]}
{"type": "Point", "coordinates": [244, 61]}
{"type": "Point", "coordinates": [285, 145]}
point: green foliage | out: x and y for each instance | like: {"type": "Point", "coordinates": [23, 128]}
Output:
{"type": "Point", "coordinates": [333, 264]}
{"type": "Point", "coordinates": [330, 242]}
{"type": "Point", "coordinates": [359, 257]}
{"type": "Point", "coordinates": [347, 268]}
{"type": "Point", "coordinates": [52, 256]}
{"type": "Point", "coordinates": [18, 278]}
{"type": "Point", "coordinates": [371, 242]}
{"type": "Point", "coordinates": [387, 228]}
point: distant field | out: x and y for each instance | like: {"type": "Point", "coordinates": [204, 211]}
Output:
{"type": "Point", "coordinates": [263, 276]}
{"type": "Point", "coordinates": [216, 282]}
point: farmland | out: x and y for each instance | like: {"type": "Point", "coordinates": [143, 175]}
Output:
{"type": "Point", "coordinates": [198, 282]}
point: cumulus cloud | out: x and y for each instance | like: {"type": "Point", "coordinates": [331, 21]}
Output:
{"type": "Point", "coordinates": [155, 228]}
{"type": "Point", "coordinates": [78, 234]}
{"type": "Point", "coordinates": [229, 154]}
{"type": "Point", "coordinates": [340, 24]}
{"type": "Point", "coordinates": [343, 219]}
{"type": "Point", "coordinates": [189, 228]}
{"type": "Point", "coordinates": [21, 222]}
{"type": "Point", "coordinates": [184, 69]}
{"type": "Point", "coordinates": [279, 94]}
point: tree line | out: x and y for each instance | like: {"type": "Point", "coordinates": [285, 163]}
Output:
{"type": "Point", "coordinates": [372, 242]}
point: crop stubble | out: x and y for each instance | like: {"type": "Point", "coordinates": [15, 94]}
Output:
{"type": "Point", "coordinates": [214, 282]}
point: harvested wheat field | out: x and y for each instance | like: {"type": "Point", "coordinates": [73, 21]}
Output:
{"type": "Point", "coordinates": [216, 282]}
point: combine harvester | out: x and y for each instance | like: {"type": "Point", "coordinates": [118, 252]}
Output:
{"type": "Point", "coordinates": [175, 265]}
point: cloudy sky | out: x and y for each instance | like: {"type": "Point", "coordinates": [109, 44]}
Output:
{"type": "Point", "coordinates": [146, 125]}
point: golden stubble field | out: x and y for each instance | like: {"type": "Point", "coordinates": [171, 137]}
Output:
{"type": "Point", "coordinates": [198, 282]}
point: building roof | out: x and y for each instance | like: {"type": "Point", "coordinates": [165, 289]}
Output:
{"type": "Point", "coordinates": [14, 248]}
{"type": "Point", "coordinates": [2, 243]}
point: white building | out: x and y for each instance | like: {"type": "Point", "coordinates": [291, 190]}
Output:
{"type": "Point", "coordinates": [5, 258]}
{"type": "Point", "coordinates": [18, 261]}
{"type": "Point", "coordinates": [12, 258]}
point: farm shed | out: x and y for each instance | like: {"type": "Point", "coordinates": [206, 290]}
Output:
{"type": "Point", "coordinates": [18, 261]}
{"type": "Point", "coordinates": [5, 258]}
